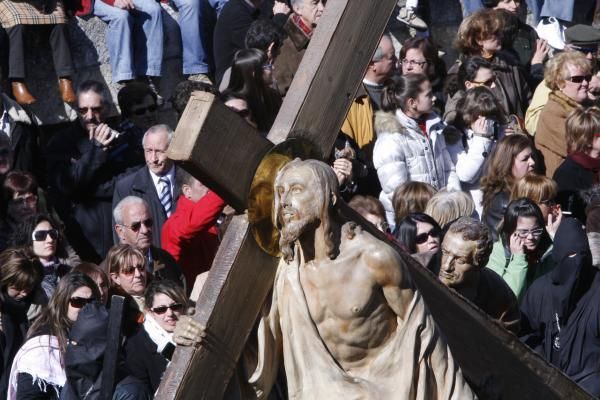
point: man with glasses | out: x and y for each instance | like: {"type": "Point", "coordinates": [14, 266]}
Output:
{"type": "Point", "coordinates": [359, 120]}
{"type": "Point", "coordinates": [134, 226]}
{"type": "Point", "coordinates": [155, 183]}
{"type": "Point", "coordinates": [465, 251]}
{"type": "Point", "coordinates": [83, 163]}
{"type": "Point", "coordinates": [139, 109]}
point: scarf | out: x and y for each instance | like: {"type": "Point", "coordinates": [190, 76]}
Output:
{"type": "Point", "coordinates": [39, 357]}
{"type": "Point", "coordinates": [158, 335]}
{"type": "Point", "coordinates": [587, 162]}
{"type": "Point", "coordinates": [307, 30]}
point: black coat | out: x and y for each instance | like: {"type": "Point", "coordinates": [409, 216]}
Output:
{"type": "Point", "coordinates": [140, 184]}
{"type": "Point", "coordinates": [230, 30]}
{"type": "Point", "coordinates": [81, 182]}
{"type": "Point", "coordinates": [571, 178]}
{"type": "Point", "coordinates": [561, 310]}
{"type": "Point", "coordinates": [143, 361]}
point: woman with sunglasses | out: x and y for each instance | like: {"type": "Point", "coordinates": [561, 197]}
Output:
{"type": "Point", "coordinates": [568, 76]}
{"type": "Point", "coordinates": [40, 233]}
{"type": "Point", "coordinates": [581, 169]}
{"type": "Point", "coordinates": [542, 191]}
{"type": "Point", "coordinates": [20, 277]}
{"type": "Point", "coordinates": [480, 35]}
{"type": "Point", "coordinates": [523, 252]}
{"type": "Point", "coordinates": [38, 369]}
{"type": "Point", "coordinates": [418, 233]}
{"type": "Point", "coordinates": [149, 351]}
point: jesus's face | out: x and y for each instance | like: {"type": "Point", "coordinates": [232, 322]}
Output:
{"type": "Point", "coordinates": [299, 202]}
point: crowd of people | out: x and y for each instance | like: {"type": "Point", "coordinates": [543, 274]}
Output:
{"type": "Point", "coordinates": [489, 166]}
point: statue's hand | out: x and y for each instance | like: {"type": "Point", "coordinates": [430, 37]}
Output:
{"type": "Point", "coordinates": [188, 332]}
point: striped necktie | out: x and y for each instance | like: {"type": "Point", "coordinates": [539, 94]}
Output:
{"type": "Point", "coordinates": [165, 195]}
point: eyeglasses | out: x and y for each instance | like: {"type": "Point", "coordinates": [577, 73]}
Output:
{"type": "Point", "coordinates": [524, 233]}
{"type": "Point", "coordinates": [130, 269]}
{"type": "Point", "coordinates": [94, 110]}
{"type": "Point", "coordinates": [79, 302]}
{"type": "Point", "coordinates": [549, 202]}
{"type": "Point", "coordinates": [422, 238]}
{"type": "Point", "coordinates": [177, 307]}
{"type": "Point", "coordinates": [41, 235]}
{"type": "Point", "coordinates": [136, 226]}
{"type": "Point", "coordinates": [580, 78]}
{"type": "Point", "coordinates": [489, 83]}
{"type": "Point", "coordinates": [586, 50]}
{"type": "Point", "coordinates": [144, 110]}
{"type": "Point", "coordinates": [414, 62]}
{"type": "Point", "coordinates": [268, 67]}
{"type": "Point", "coordinates": [28, 199]}
{"type": "Point", "coordinates": [242, 113]}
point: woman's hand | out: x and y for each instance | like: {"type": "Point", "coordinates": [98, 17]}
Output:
{"type": "Point", "coordinates": [188, 332]}
{"type": "Point", "coordinates": [516, 244]}
{"type": "Point", "coordinates": [541, 51]}
{"type": "Point", "coordinates": [554, 222]}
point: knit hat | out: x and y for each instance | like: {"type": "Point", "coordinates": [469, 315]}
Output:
{"type": "Point", "coordinates": [582, 36]}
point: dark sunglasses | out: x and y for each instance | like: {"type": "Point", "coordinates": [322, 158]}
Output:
{"type": "Point", "coordinates": [177, 307]}
{"type": "Point", "coordinates": [586, 50]}
{"type": "Point", "coordinates": [487, 83]}
{"type": "Point", "coordinates": [130, 270]}
{"type": "Point", "coordinates": [136, 226]}
{"type": "Point", "coordinates": [85, 110]}
{"type": "Point", "coordinates": [79, 302]}
{"type": "Point", "coordinates": [142, 111]}
{"type": "Point", "coordinates": [422, 238]}
{"type": "Point", "coordinates": [242, 113]}
{"type": "Point", "coordinates": [580, 78]}
{"type": "Point", "coordinates": [41, 235]}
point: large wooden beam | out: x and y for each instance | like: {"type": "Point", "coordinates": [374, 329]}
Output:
{"type": "Point", "coordinates": [187, 371]}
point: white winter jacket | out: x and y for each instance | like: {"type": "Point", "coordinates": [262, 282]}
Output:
{"type": "Point", "coordinates": [402, 153]}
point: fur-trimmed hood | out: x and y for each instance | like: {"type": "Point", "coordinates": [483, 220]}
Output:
{"type": "Point", "coordinates": [387, 122]}
{"type": "Point", "coordinates": [15, 112]}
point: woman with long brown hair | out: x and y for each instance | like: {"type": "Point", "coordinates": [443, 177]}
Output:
{"type": "Point", "coordinates": [511, 160]}
{"type": "Point", "coordinates": [38, 370]}
{"type": "Point", "coordinates": [480, 34]}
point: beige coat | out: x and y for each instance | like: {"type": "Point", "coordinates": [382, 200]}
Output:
{"type": "Point", "coordinates": [550, 134]}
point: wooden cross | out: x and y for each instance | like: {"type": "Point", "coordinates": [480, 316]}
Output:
{"type": "Point", "coordinates": [221, 150]}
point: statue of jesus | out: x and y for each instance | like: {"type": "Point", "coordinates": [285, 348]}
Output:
{"type": "Point", "coordinates": [344, 316]}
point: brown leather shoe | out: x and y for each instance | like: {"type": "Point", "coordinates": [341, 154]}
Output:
{"type": "Point", "coordinates": [21, 94]}
{"type": "Point", "coordinates": [65, 87]}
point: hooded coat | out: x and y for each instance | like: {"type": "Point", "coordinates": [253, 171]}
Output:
{"type": "Point", "coordinates": [561, 310]}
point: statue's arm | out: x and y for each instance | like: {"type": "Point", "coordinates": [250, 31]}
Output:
{"type": "Point", "coordinates": [391, 274]}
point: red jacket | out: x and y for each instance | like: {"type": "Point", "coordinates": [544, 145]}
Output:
{"type": "Point", "coordinates": [190, 234]}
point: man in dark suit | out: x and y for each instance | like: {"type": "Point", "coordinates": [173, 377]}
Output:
{"type": "Point", "coordinates": [155, 182]}
{"type": "Point", "coordinates": [83, 164]}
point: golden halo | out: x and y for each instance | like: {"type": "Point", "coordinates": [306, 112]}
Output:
{"type": "Point", "coordinates": [260, 199]}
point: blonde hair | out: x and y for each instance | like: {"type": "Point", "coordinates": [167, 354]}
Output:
{"type": "Point", "coordinates": [582, 126]}
{"type": "Point", "coordinates": [556, 70]}
{"type": "Point", "coordinates": [537, 188]}
{"type": "Point", "coordinates": [411, 197]}
{"type": "Point", "coordinates": [446, 206]}
{"type": "Point", "coordinates": [120, 255]}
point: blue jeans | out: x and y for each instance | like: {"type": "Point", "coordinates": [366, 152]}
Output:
{"type": "Point", "coordinates": [470, 6]}
{"type": "Point", "coordinates": [133, 52]}
{"type": "Point", "coordinates": [561, 9]}
{"type": "Point", "coordinates": [191, 24]}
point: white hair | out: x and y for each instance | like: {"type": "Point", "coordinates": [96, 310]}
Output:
{"type": "Point", "coordinates": [126, 202]}
{"type": "Point", "coordinates": [160, 128]}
